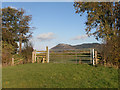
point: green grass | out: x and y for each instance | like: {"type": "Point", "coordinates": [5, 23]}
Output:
{"type": "Point", "coordinates": [59, 76]}
{"type": "Point", "coordinates": [68, 59]}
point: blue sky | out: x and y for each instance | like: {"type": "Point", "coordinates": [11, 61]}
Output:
{"type": "Point", "coordinates": [55, 22]}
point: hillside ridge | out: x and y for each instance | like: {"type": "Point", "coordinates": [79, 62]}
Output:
{"type": "Point", "coordinates": [81, 46]}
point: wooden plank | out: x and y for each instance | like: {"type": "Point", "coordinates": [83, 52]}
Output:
{"type": "Point", "coordinates": [41, 55]}
{"type": "Point", "coordinates": [70, 55]}
{"type": "Point", "coordinates": [40, 51]}
{"type": "Point", "coordinates": [71, 52]}
{"type": "Point", "coordinates": [71, 49]}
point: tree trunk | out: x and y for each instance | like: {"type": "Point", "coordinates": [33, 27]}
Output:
{"type": "Point", "coordinates": [20, 43]}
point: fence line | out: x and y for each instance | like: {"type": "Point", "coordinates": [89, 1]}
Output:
{"type": "Point", "coordinates": [56, 56]}
{"type": "Point", "coordinates": [75, 55]}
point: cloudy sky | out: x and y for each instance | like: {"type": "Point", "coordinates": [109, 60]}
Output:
{"type": "Point", "coordinates": [54, 22]}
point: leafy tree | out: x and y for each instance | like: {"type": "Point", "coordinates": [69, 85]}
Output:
{"type": "Point", "coordinates": [15, 26]}
{"type": "Point", "coordinates": [24, 29]}
{"type": "Point", "coordinates": [9, 26]}
{"type": "Point", "coordinates": [104, 18]}
{"type": "Point", "coordinates": [7, 51]}
{"type": "Point", "coordinates": [0, 33]}
{"type": "Point", "coordinates": [27, 52]}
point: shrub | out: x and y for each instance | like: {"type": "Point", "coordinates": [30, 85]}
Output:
{"type": "Point", "coordinates": [27, 52]}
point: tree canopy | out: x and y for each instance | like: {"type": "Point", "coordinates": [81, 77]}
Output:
{"type": "Point", "coordinates": [102, 16]}
{"type": "Point", "coordinates": [15, 26]}
{"type": "Point", "coordinates": [103, 21]}
{"type": "Point", "coordinates": [15, 29]}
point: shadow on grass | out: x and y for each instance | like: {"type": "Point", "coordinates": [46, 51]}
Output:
{"type": "Point", "coordinates": [92, 65]}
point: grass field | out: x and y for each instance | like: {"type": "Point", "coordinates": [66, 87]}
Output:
{"type": "Point", "coordinates": [59, 76]}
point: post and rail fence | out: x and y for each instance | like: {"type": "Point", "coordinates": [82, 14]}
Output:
{"type": "Point", "coordinates": [16, 61]}
{"type": "Point", "coordinates": [76, 56]}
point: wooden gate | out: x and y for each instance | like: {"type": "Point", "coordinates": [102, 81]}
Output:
{"type": "Point", "coordinates": [74, 56]}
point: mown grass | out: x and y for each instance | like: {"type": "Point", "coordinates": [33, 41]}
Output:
{"type": "Point", "coordinates": [59, 76]}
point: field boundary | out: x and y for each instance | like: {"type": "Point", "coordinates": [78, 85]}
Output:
{"type": "Point", "coordinates": [89, 53]}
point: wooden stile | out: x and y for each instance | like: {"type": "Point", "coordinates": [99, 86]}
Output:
{"type": "Point", "coordinates": [43, 54]}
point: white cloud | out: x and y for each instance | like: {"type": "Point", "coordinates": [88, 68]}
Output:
{"type": "Point", "coordinates": [46, 36]}
{"type": "Point", "coordinates": [79, 37]}
{"type": "Point", "coordinates": [12, 7]}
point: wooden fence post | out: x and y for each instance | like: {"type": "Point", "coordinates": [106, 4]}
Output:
{"type": "Point", "coordinates": [12, 61]}
{"type": "Point", "coordinates": [93, 58]}
{"type": "Point", "coordinates": [43, 60]}
{"type": "Point", "coordinates": [47, 54]}
{"type": "Point", "coordinates": [33, 57]}
{"type": "Point", "coordinates": [80, 62]}
{"type": "Point", "coordinates": [76, 57]}
{"type": "Point", "coordinates": [96, 61]}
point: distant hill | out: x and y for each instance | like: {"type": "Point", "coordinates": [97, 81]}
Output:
{"type": "Point", "coordinates": [87, 45]}
{"type": "Point", "coordinates": [81, 46]}
{"type": "Point", "coordinates": [63, 46]}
